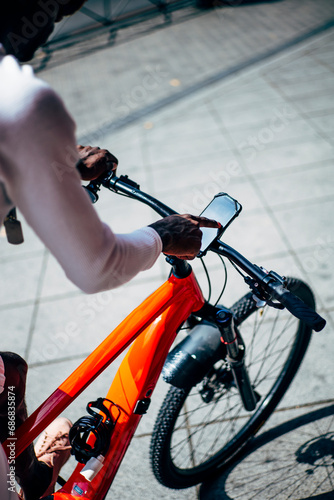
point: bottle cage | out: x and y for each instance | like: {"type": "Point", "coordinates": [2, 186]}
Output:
{"type": "Point", "coordinates": [90, 435]}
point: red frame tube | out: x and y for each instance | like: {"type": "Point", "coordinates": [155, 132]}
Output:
{"type": "Point", "coordinates": [157, 319]}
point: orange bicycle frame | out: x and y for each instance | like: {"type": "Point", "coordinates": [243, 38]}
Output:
{"type": "Point", "coordinates": [155, 322]}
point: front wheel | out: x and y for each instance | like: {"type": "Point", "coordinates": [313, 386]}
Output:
{"type": "Point", "coordinates": [200, 430]}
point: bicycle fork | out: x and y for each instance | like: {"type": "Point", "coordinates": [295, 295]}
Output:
{"type": "Point", "coordinates": [235, 357]}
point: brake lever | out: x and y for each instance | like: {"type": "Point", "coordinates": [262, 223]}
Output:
{"type": "Point", "coordinates": [95, 186]}
{"type": "Point", "coordinates": [260, 296]}
{"type": "Point", "coordinates": [275, 305]}
{"type": "Point", "coordinates": [92, 189]}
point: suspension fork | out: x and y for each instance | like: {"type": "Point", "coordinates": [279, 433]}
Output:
{"type": "Point", "coordinates": [235, 356]}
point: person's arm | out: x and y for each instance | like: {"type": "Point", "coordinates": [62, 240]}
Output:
{"type": "Point", "coordinates": [37, 159]}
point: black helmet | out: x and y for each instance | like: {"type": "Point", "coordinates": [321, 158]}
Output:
{"type": "Point", "coordinates": [25, 25]}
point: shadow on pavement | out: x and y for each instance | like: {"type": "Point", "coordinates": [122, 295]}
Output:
{"type": "Point", "coordinates": [294, 461]}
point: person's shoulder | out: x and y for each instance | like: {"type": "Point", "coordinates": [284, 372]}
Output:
{"type": "Point", "coordinates": [24, 95]}
{"type": "Point", "coordinates": [19, 87]}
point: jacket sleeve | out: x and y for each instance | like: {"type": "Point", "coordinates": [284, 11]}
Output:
{"type": "Point", "coordinates": [37, 167]}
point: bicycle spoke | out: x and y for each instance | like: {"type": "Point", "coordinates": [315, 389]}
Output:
{"type": "Point", "coordinates": [199, 429]}
{"type": "Point", "coordinates": [269, 340]}
{"type": "Point", "coordinates": [268, 352]}
{"type": "Point", "coordinates": [229, 421]}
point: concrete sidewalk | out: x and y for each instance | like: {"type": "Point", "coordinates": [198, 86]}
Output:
{"type": "Point", "coordinates": [264, 134]}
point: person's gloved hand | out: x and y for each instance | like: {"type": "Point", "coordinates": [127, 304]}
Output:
{"type": "Point", "coordinates": [181, 235]}
{"type": "Point", "coordinates": [95, 162]}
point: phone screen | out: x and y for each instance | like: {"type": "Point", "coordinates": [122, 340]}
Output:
{"type": "Point", "coordinates": [223, 208]}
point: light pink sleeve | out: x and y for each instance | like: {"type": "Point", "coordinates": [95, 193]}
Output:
{"type": "Point", "coordinates": [37, 166]}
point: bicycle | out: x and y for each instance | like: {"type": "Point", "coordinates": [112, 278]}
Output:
{"type": "Point", "coordinates": [206, 369]}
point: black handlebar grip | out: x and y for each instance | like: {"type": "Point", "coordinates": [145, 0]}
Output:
{"type": "Point", "coordinates": [297, 307]}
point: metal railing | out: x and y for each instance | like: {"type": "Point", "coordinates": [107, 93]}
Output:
{"type": "Point", "coordinates": [114, 15]}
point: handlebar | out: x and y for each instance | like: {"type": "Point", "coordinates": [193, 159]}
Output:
{"type": "Point", "coordinates": [271, 287]}
{"type": "Point", "coordinates": [297, 307]}
{"type": "Point", "coordinates": [130, 188]}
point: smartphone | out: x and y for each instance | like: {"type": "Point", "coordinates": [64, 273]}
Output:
{"type": "Point", "coordinates": [224, 209]}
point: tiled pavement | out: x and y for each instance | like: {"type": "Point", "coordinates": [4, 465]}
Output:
{"type": "Point", "coordinates": [263, 134]}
